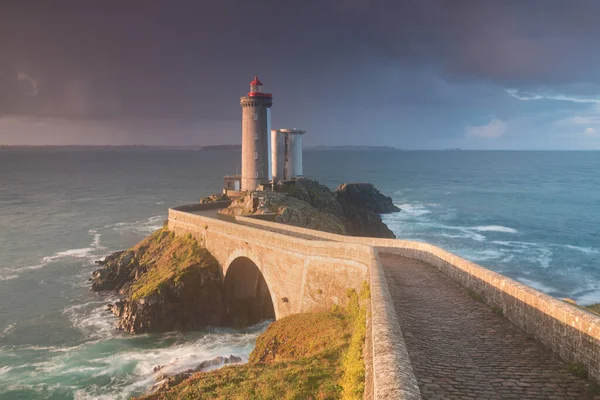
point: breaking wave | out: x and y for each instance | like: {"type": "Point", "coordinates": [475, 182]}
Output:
{"type": "Point", "coordinates": [495, 228]}
{"type": "Point", "coordinates": [143, 226]}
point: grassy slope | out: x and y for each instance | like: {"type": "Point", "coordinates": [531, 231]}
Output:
{"type": "Point", "coordinates": [303, 356]}
{"type": "Point", "coordinates": [595, 308]}
{"type": "Point", "coordinates": [169, 259]}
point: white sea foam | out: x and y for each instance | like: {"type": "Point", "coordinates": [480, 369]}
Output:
{"type": "Point", "coordinates": [8, 330]}
{"type": "Point", "coordinates": [76, 253]}
{"type": "Point", "coordinates": [586, 250]}
{"type": "Point", "coordinates": [464, 233]}
{"type": "Point", "coordinates": [96, 241]}
{"type": "Point", "coordinates": [413, 210]}
{"type": "Point", "coordinates": [86, 252]}
{"type": "Point", "coordinates": [145, 226]}
{"type": "Point", "coordinates": [537, 285]}
{"type": "Point", "coordinates": [495, 228]}
{"type": "Point", "coordinates": [589, 298]}
{"type": "Point", "coordinates": [93, 319]}
{"type": "Point", "coordinates": [132, 371]}
{"type": "Point", "coordinates": [482, 255]}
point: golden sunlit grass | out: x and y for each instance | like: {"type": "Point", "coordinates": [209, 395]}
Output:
{"type": "Point", "coordinates": [304, 356]}
{"type": "Point", "coordinates": [171, 258]}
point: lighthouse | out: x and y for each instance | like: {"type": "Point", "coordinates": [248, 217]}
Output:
{"type": "Point", "coordinates": [256, 128]}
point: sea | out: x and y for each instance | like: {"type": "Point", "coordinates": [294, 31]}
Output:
{"type": "Point", "coordinates": [532, 216]}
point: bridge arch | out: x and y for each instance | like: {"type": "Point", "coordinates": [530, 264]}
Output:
{"type": "Point", "coordinates": [246, 294]}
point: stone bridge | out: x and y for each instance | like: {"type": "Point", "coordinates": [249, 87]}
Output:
{"type": "Point", "coordinates": [442, 328]}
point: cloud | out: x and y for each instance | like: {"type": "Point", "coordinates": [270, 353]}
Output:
{"type": "Point", "coordinates": [33, 82]}
{"type": "Point", "coordinates": [29, 130]}
{"type": "Point", "coordinates": [525, 96]}
{"type": "Point", "coordinates": [495, 129]}
{"type": "Point", "coordinates": [583, 120]}
{"type": "Point", "coordinates": [590, 131]}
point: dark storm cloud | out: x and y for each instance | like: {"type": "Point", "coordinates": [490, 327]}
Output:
{"type": "Point", "coordinates": [452, 61]}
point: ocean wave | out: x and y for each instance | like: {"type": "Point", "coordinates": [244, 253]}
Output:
{"type": "Point", "coordinates": [86, 252]}
{"type": "Point", "coordinates": [494, 228]}
{"type": "Point", "coordinates": [482, 255]}
{"type": "Point", "coordinates": [537, 285]}
{"type": "Point", "coordinates": [413, 210]}
{"type": "Point", "coordinates": [590, 297]}
{"type": "Point", "coordinates": [96, 241]}
{"type": "Point", "coordinates": [8, 330]}
{"type": "Point", "coordinates": [132, 371]}
{"type": "Point", "coordinates": [586, 250]}
{"type": "Point", "coordinates": [465, 234]}
{"type": "Point", "coordinates": [93, 319]}
{"type": "Point", "coordinates": [76, 253]}
{"type": "Point", "coordinates": [143, 226]}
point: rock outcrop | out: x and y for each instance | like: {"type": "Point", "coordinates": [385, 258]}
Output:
{"type": "Point", "coordinates": [286, 209]}
{"type": "Point", "coordinates": [166, 283]}
{"type": "Point", "coordinates": [353, 209]}
{"type": "Point", "coordinates": [164, 382]}
{"type": "Point", "coordinates": [362, 205]}
{"type": "Point", "coordinates": [365, 196]}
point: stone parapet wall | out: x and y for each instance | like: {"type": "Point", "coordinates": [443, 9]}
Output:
{"type": "Point", "coordinates": [393, 375]}
{"type": "Point", "coordinates": [570, 332]}
{"type": "Point", "coordinates": [203, 206]}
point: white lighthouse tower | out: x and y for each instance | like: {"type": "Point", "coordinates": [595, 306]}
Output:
{"type": "Point", "coordinates": [256, 127]}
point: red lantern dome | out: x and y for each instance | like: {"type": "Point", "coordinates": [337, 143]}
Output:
{"type": "Point", "coordinates": [256, 89]}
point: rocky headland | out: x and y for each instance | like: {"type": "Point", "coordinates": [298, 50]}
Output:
{"type": "Point", "coordinates": [352, 209]}
{"type": "Point", "coordinates": [166, 283]}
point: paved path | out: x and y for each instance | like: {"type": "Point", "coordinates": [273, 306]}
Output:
{"type": "Point", "coordinates": [460, 349]}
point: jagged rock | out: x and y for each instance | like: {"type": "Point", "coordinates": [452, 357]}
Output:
{"type": "Point", "coordinates": [317, 195]}
{"type": "Point", "coordinates": [118, 271]}
{"type": "Point", "coordinates": [362, 205]}
{"type": "Point", "coordinates": [285, 209]}
{"type": "Point", "coordinates": [165, 382]}
{"type": "Point", "coordinates": [366, 197]}
{"type": "Point", "coordinates": [167, 283]}
{"type": "Point", "coordinates": [214, 198]}
{"type": "Point", "coordinates": [352, 209]}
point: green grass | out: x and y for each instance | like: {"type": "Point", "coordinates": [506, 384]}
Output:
{"type": "Point", "coordinates": [498, 311]}
{"type": "Point", "coordinates": [168, 259]}
{"type": "Point", "coordinates": [476, 296]}
{"type": "Point", "coordinates": [353, 365]}
{"type": "Point", "coordinates": [303, 356]}
{"type": "Point", "coordinates": [595, 308]}
{"type": "Point", "coordinates": [578, 370]}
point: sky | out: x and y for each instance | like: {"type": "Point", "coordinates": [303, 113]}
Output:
{"type": "Point", "coordinates": [416, 74]}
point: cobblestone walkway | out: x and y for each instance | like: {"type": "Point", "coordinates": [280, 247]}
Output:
{"type": "Point", "coordinates": [461, 349]}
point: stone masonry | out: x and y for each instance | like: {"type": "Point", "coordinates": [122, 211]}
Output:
{"type": "Point", "coordinates": [461, 349]}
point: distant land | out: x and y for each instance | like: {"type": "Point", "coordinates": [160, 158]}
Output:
{"type": "Point", "coordinates": [343, 148]}
{"type": "Point", "coordinates": [195, 147]}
